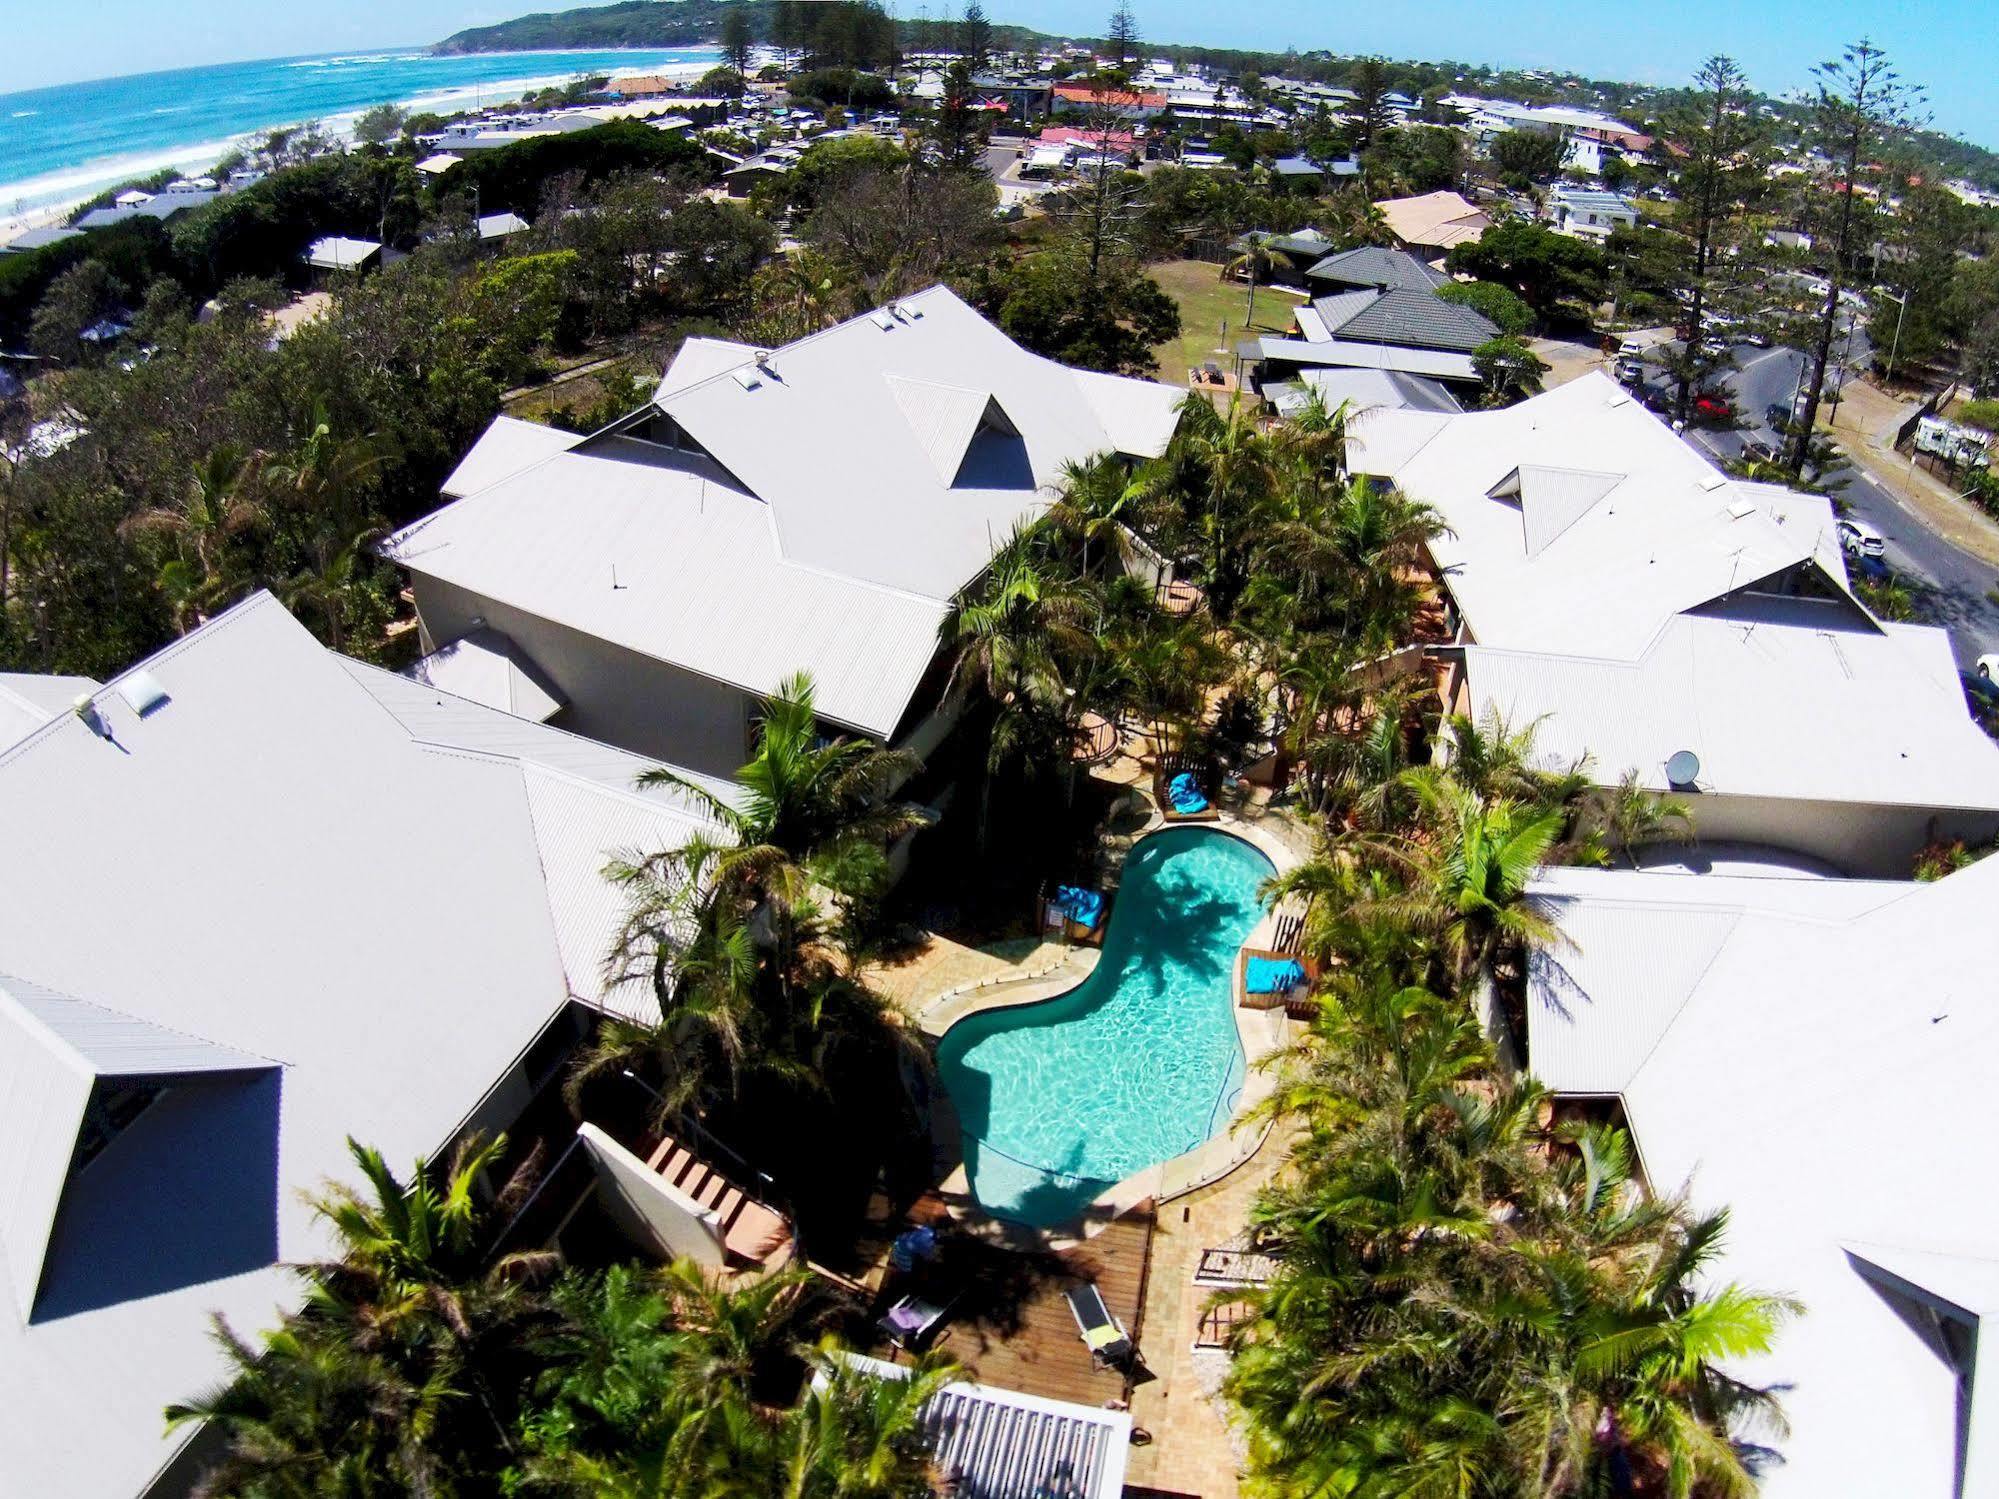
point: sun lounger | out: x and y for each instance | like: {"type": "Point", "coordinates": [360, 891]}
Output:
{"type": "Point", "coordinates": [1185, 794]}
{"type": "Point", "coordinates": [1084, 907]}
{"type": "Point", "coordinates": [1108, 1342]}
{"type": "Point", "coordinates": [1272, 975]}
{"type": "Point", "coordinates": [912, 1322]}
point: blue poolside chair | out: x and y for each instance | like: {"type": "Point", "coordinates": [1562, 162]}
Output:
{"type": "Point", "coordinates": [1272, 975]}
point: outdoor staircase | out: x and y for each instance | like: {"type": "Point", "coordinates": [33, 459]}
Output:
{"type": "Point", "coordinates": [749, 1230]}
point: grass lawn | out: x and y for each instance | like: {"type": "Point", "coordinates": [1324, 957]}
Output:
{"type": "Point", "coordinates": [1206, 302]}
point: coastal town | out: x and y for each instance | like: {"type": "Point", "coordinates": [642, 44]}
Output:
{"type": "Point", "coordinates": [931, 760]}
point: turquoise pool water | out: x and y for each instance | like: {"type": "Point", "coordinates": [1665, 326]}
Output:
{"type": "Point", "coordinates": [1060, 1100]}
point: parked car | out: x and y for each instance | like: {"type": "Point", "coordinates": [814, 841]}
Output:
{"type": "Point", "coordinates": [1713, 406]}
{"type": "Point", "coordinates": [1858, 539]}
{"type": "Point", "coordinates": [1629, 371]}
{"type": "Point", "coordinates": [1988, 666]}
{"type": "Point", "coordinates": [1981, 697]}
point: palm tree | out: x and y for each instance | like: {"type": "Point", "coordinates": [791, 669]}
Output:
{"type": "Point", "coordinates": [1223, 467]}
{"type": "Point", "coordinates": [396, 1373]}
{"type": "Point", "coordinates": [1470, 877]}
{"type": "Point", "coordinates": [217, 508]}
{"type": "Point", "coordinates": [812, 811]}
{"type": "Point", "coordinates": [1255, 259]}
{"type": "Point", "coordinates": [1097, 502]}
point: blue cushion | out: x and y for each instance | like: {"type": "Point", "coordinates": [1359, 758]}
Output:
{"type": "Point", "coordinates": [1187, 801]}
{"type": "Point", "coordinates": [1272, 975]}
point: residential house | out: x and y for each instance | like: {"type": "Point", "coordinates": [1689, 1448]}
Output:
{"type": "Point", "coordinates": [1374, 266]}
{"type": "Point", "coordinates": [1287, 256]}
{"type": "Point", "coordinates": [37, 239]}
{"type": "Point", "coordinates": [1303, 172]}
{"type": "Point", "coordinates": [814, 507]}
{"type": "Point", "coordinates": [1361, 390]}
{"type": "Point", "coordinates": [1126, 104]}
{"type": "Point", "coordinates": [1431, 224]}
{"type": "Point", "coordinates": [1811, 1054]}
{"type": "Point", "coordinates": [1589, 213]}
{"type": "Point", "coordinates": [1605, 583]}
{"type": "Point", "coordinates": [1401, 329]}
{"type": "Point", "coordinates": [498, 227]}
{"type": "Point", "coordinates": [337, 253]}
{"type": "Point", "coordinates": [261, 898]}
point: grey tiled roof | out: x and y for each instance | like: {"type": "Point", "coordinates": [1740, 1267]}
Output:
{"type": "Point", "coordinates": [1370, 265]}
{"type": "Point", "coordinates": [1412, 319]}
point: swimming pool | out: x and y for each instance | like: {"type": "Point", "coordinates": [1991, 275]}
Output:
{"type": "Point", "coordinates": [1059, 1101]}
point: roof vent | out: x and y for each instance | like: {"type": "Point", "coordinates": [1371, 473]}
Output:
{"type": "Point", "coordinates": [1742, 509]}
{"type": "Point", "coordinates": [1683, 769]}
{"type": "Point", "coordinates": [1713, 482]}
{"type": "Point", "coordinates": [747, 376]}
{"type": "Point", "coordinates": [142, 692]}
{"type": "Point", "coordinates": [882, 318]}
{"type": "Point", "coordinates": [86, 710]}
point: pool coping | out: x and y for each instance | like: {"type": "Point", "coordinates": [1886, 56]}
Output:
{"type": "Point", "coordinates": [1261, 1032]}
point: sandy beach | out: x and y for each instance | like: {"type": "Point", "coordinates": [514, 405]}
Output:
{"type": "Point", "coordinates": [49, 199]}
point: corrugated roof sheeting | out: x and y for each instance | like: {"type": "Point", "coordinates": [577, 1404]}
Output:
{"type": "Point", "coordinates": [488, 668]}
{"type": "Point", "coordinates": [277, 862]}
{"type": "Point", "coordinates": [443, 719]}
{"type": "Point", "coordinates": [852, 488]}
{"type": "Point", "coordinates": [503, 450]}
{"type": "Point", "coordinates": [1674, 534]}
{"type": "Point", "coordinates": [673, 566]}
{"type": "Point", "coordinates": [28, 700]}
{"type": "Point", "coordinates": [581, 830]}
{"type": "Point", "coordinates": [997, 1444]}
{"type": "Point", "coordinates": [1772, 703]}
{"type": "Point", "coordinates": [1436, 363]}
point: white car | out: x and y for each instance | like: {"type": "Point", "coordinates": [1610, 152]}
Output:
{"type": "Point", "coordinates": [1988, 666]}
{"type": "Point", "coordinates": [1858, 539]}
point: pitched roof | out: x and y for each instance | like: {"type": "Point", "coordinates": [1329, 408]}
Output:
{"type": "Point", "coordinates": [1346, 353]}
{"type": "Point", "coordinates": [1768, 1079]}
{"type": "Point", "coordinates": [1778, 697]}
{"type": "Point", "coordinates": [1364, 389]}
{"type": "Point", "coordinates": [503, 449]}
{"type": "Point", "coordinates": [816, 510]}
{"type": "Point", "coordinates": [1672, 533]}
{"type": "Point", "coordinates": [1412, 317]}
{"type": "Point", "coordinates": [338, 253]}
{"type": "Point", "coordinates": [486, 667]}
{"type": "Point", "coordinates": [207, 883]}
{"type": "Point", "coordinates": [1376, 265]}
{"type": "Point", "coordinates": [28, 700]}
{"type": "Point", "coordinates": [1439, 219]}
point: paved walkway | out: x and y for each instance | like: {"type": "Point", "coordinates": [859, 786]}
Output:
{"type": "Point", "coordinates": [1192, 1451]}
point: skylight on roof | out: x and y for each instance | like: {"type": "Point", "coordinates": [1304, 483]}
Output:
{"type": "Point", "coordinates": [142, 692]}
{"type": "Point", "coordinates": [882, 318]}
{"type": "Point", "coordinates": [1713, 482]}
{"type": "Point", "coordinates": [746, 377]}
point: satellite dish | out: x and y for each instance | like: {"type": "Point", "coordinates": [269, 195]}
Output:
{"type": "Point", "coordinates": [1683, 768]}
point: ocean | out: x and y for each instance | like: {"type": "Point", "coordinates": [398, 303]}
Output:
{"type": "Point", "coordinates": [64, 144]}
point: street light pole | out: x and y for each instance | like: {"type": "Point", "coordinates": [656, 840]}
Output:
{"type": "Point", "coordinates": [1901, 311]}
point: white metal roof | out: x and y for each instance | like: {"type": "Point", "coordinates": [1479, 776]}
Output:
{"type": "Point", "coordinates": [29, 700]}
{"type": "Point", "coordinates": [826, 443]}
{"type": "Point", "coordinates": [273, 864]}
{"type": "Point", "coordinates": [989, 1442]}
{"type": "Point", "coordinates": [1529, 556]}
{"type": "Point", "coordinates": [338, 253]}
{"type": "Point", "coordinates": [1438, 364]}
{"type": "Point", "coordinates": [699, 357]}
{"type": "Point", "coordinates": [500, 225]}
{"type": "Point", "coordinates": [821, 531]}
{"type": "Point", "coordinates": [676, 565]}
{"type": "Point", "coordinates": [442, 161]}
{"type": "Point", "coordinates": [1778, 697]}
{"type": "Point", "coordinates": [1826, 1078]}
{"type": "Point", "coordinates": [503, 450]}
{"type": "Point", "coordinates": [489, 668]}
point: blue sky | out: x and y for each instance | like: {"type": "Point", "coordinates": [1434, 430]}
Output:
{"type": "Point", "coordinates": [1948, 45]}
